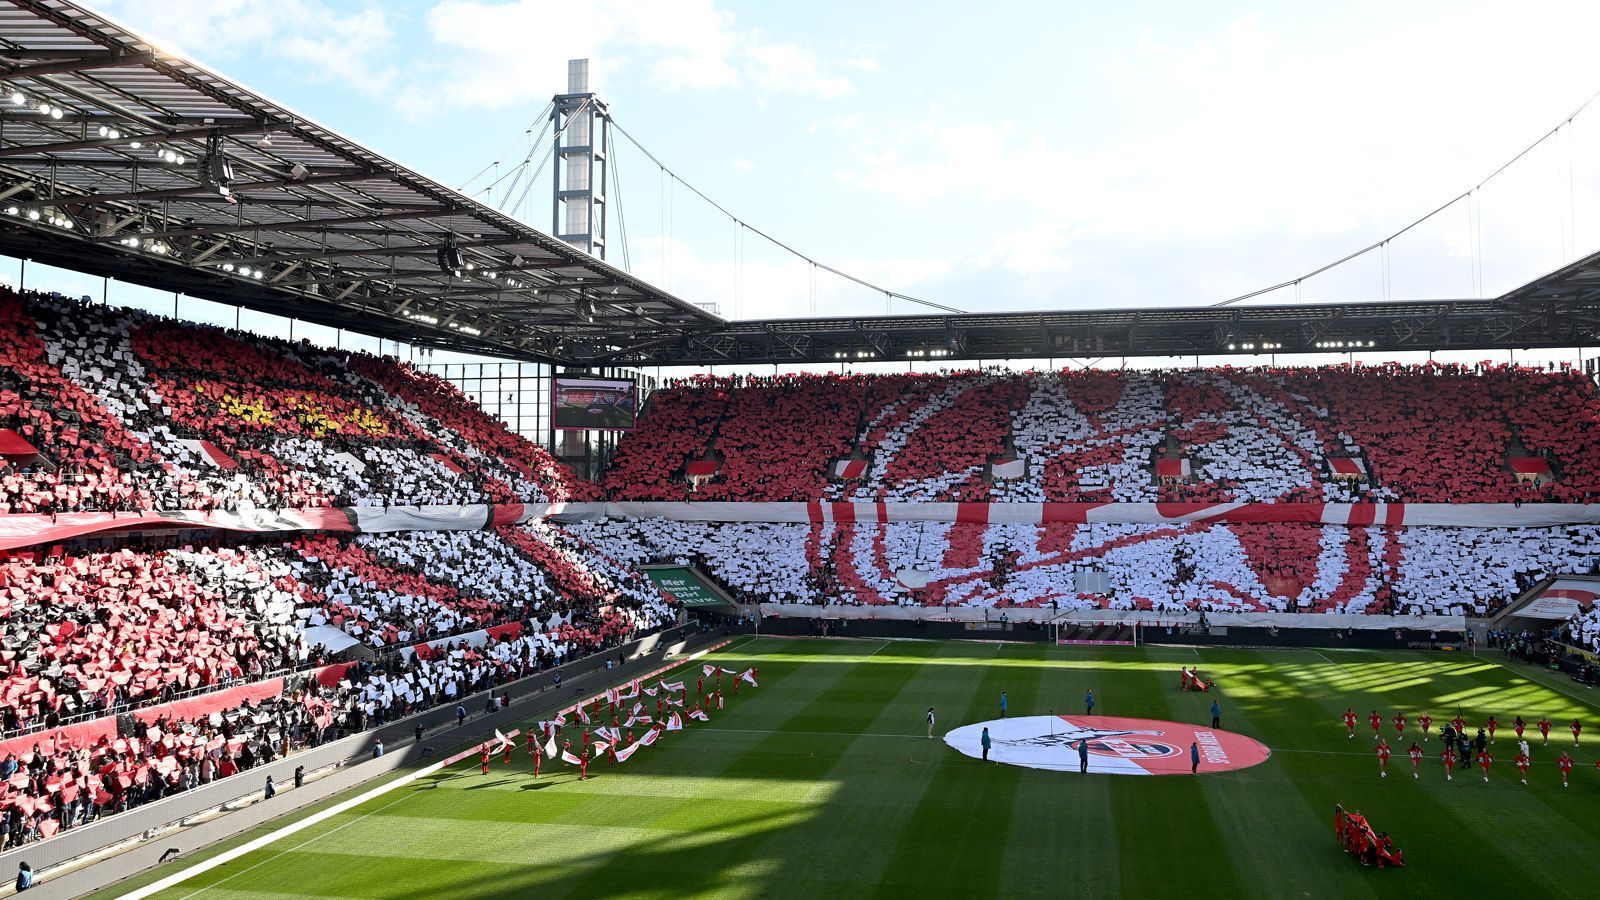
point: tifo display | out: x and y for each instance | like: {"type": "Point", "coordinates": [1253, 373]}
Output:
{"type": "Point", "coordinates": [349, 540]}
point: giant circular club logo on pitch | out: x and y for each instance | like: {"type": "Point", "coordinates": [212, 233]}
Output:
{"type": "Point", "coordinates": [1116, 746]}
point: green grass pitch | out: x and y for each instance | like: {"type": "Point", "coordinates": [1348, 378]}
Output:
{"type": "Point", "coordinates": [822, 783]}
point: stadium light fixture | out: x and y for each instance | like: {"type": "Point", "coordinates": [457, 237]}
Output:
{"type": "Point", "coordinates": [17, 99]}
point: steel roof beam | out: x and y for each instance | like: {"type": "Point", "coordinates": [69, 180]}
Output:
{"type": "Point", "coordinates": [101, 60]}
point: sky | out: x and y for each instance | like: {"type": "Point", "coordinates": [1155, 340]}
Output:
{"type": "Point", "coordinates": [1005, 156]}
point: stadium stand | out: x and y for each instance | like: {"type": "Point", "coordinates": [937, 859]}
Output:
{"type": "Point", "coordinates": [195, 643]}
{"type": "Point", "coordinates": [127, 411]}
{"type": "Point", "coordinates": [1427, 433]}
{"type": "Point", "coordinates": [1281, 567]}
{"type": "Point", "coordinates": [215, 647]}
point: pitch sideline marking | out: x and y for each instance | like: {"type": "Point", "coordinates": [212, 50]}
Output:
{"type": "Point", "coordinates": [228, 856]}
{"type": "Point", "coordinates": [875, 652]}
{"type": "Point", "coordinates": [1334, 664]}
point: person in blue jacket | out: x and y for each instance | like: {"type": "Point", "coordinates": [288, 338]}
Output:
{"type": "Point", "coordinates": [1083, 756]}
{"type": "Point", "coordinates": [1216, 714]}
{"type": "Point", "coordinates": [1088, 702]}
{"type": "Point", "coordinates": [1002, 704]}
{"type": "Point", "coordinates": [1194, 758]}
{"type": "Point", "coordinates": [984, 740]}
{"type": "Point", "coordinates": [24, 877]}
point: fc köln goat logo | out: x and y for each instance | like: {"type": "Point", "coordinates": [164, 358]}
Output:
{"type": "Point", "coordinates": [1116, 746]}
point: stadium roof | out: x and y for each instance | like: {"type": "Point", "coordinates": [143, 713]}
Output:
{"type": "Point", "coordinates": [1561, 309]}
{"type": "Point", "coordinates": [273, 212]}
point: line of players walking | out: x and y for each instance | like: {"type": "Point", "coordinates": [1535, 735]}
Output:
{"type": "Point", "coordinates": [1460, 748]}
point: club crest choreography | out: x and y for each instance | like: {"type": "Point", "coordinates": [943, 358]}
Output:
{"type": "Point", "coordinates": [1116, 746]}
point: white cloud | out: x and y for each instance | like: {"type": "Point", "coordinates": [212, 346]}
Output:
{"type": "Point", "coordinates": [500, 54]}
{"type": "Point", "coordinates": [319, 41]}
{"type": "Point", "coordinates": [1254, 150]}
{"type": "Point", "coordinates": [489, 54]}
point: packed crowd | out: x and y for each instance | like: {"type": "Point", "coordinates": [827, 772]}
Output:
{"type": "Point", "coordinates": [1171, 568]}
{"type": "Point", "coordinates": [1428, 433]}
{"type": "Point", "coordinates": [131, 412]}
{"type": "Point", "coordinates": [95, 634]}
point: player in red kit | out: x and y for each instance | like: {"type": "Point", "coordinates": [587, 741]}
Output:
{"type": "Point", "coordinates": [532, 738]}
{"type": "Point", "coordinates": [1416, 759]}
{"type": "Point", "coordinates": [1350, 722]}
{"type": "Point", "coordinates": [1544, 728]}
{"type": "Point", "coordinates": [1459, 723]}
{"type": "Point", "coordinates": [1518, 726]}
{"type": "Point", "coordinates": [1491, 725]}
{"type": "Point", "coordinates": [1383, 758]}
{"type": "Point", "coordinates": [1577, 729]}
{"type": "Point", "coordinates": [1376, 721]}
{"type": "Point", "coordinates": [536, 757]}
{"type": "Point", "coordinates": [505, 757]}
{"type": "Point", "coordinates": [611, 755]}
{"type": "Point", "coordinates": [583, 766]}
{"type": "Point", "coordinates": [1449, 757]}
{"type": "Point", "coordinates": [1485, 760]}
{"type": "Point", "coordinates": [1425, 722]}
{"type": "Point", "coordinates": [1565, 762]}
{"type": "Point", "coordinates": [485, 759]}
{"type": "Point", "coordinates": [1522, 764]}
{"type": "Point", "coordinates": [1399, 725]}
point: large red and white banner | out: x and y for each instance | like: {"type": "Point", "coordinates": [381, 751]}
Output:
{"type": "Point", "coordinates": [1446, 515]}
{"type": "Point", "coordinates": [30, 529]}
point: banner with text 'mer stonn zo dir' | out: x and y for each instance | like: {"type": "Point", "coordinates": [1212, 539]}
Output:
{"type": "Point", "coordinates": [685, 586]}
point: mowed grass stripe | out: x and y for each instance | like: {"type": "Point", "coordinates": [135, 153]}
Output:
{"type": "Point", "coordinates": [1275, 854]}
{"type": "Point", "coordinates": [785, 684]}
{"type": "Point", "coordinates": [1164, 823]}
{"type": "Point", "coordinates": [958, 835]}
{"type": "Point", "coordinates": [1063, 816]}
{"type": "Point", "coordinates": [879, 783]}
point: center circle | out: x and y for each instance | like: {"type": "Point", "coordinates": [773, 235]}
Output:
{"type": "Point", "coordinates": [1117, 746]}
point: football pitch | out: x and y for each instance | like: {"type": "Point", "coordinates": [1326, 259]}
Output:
{"type": "Point", "coordinates": [823, 783]}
